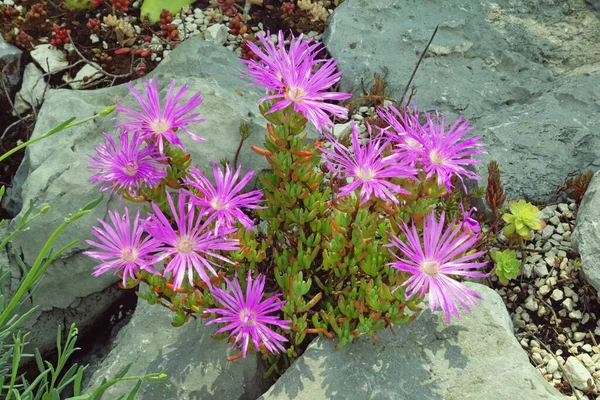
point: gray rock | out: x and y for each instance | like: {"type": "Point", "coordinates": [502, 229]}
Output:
{"type": "Point", "coordinates": [49, 58]}
{"type": "Point", "coordinates": [217, 34]}
{"type": "Point", "coordinates": [32, 90]}
{"type": "Point", "coordinates": [586, 236]}
{"type": "Point", "coordinates": [427, 359]}
{"type": "Point", "coordinates": [57, 170]}
{"type": "Point", "coordinates": [495, 65]}
{"type": "Point", "coordinates": [578, 374]}
{"type": "Point", "coordinates": [196, 363]}
{"type": "Point", "coordinates": [10, 70]}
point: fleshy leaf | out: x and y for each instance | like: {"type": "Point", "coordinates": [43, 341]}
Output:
{"type": "Point", "coordinates": [153, 8]}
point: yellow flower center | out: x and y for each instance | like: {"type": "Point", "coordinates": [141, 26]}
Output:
{"type": "Point", "coordinates": [217, 205]}
{"type": "Point", "coordinates": [248, 317]}
{"type": "Point", "coordinates": [412, 143]}
{"type": "Point", "coordinates": [436, 158]}
{"type": "Point", "coordinates": [129, 255]}
{"type": "Point", "coordinates": [185, 245]}
{"type": "Point", "coordinates": [431, 268]}
{"type": "Point", "coordinates": [295, 94]}
{"type": "Point", "coordinates": [160, 125]}
{"type": "Point", "coordinates": [131, 168]}
{"type": "Point", "coordinates": [365, 174]}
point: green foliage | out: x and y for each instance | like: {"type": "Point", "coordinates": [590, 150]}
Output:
{"type": "Point", "coordinates": [153, 8]}
{"type": "Point", "coordinates": [507, 265]}
{"type": "Point", "coordinates": [79, 4]}
{"type": "Point", "coordinates": [522, 218]}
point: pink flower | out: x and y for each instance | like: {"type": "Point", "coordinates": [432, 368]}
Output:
{"type": "Point", "coordinates": [247, 318]}
{"type": "Point", "coordinates": [368, 167]}
{"type": "Point", "coordinates": [156, 122]}
{"type": "Point", "coordinates": [121, 247]}
{"type": "Point", "coordinates": [188, 247]}
{"type": "Point", "coordinates": [432, 262]}
{"type": "Point", "coordinates": [224, 202]}
{"type": "Point", "coordinates": [127, 167]}
{"type": "Point", "coordinates": [444, 151]}
{"type": "Point", "coordinates": [405, 130]}
{"type": "Point", "coordinates": [297, 78]}
{"type": "Point", "coordinates": [469, 225]}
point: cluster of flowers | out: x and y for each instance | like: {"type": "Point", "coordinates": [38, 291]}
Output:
{"type": "Point", "coordinates": [204, 216]}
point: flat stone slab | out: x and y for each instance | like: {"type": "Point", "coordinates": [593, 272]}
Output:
{"type": "Point", "coordinates": [477, 357]}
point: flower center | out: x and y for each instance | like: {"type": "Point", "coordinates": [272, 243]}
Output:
{"type": "Point", "coordinates": [131, 168]}
{"type": "Point", "coordinates": [128, 255]}
{"type": "Point", "coordinates": [185, 245]}
{"type": "Point", "coordinates": [160, 125]}
{"type": "Point", "coordinates": [412, 143]}
{"type": "Point", "coordinates": [436, 158]}
{"type": "Point", "coordinates": [247, 317]}
{"type": "Point", "coordinates": [295, 94]}
{"type": "Point", "coordinates": [431, 268]}
{"type": "Point", "coordinates": [365, 174]}
{"type": "Point", "coordinates": [217, 205]}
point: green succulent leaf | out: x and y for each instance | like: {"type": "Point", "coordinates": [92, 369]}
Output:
{"type": "Point", "coordinates": [153, 8]}
{"type": "Point", "coordinates": [507, 265]}
{"type": "Point", "coordinates": [523, 218]}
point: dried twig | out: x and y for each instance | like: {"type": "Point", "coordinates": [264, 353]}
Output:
{"type": "Point", "coordinates": [418, 64]}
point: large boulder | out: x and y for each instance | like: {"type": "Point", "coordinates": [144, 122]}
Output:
{"type": "Point", "coordinates": [586, 236]}
{"type": "Point", "coordinates": [196, 363]}
{"type": "Point", "coordinates": [56, 174]}
{"type": "Point", "coordinates": [476, 357]}
{"type": "Point", "coordinates": [525, 73]}
{"type": "Point", "coordinates": [10, 72]}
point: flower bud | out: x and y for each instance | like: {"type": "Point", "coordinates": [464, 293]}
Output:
{"type": "Point", "coordinates": [44, 209]}
{"type": "Point", "coordinates": [107, 110]}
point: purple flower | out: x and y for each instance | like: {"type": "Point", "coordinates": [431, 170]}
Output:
{"type": "Point", "coordinates": [223, 203]}
{"type": "Point", "coordinates": [431, 264]}
{"type": "Point", "coordinates": [369, 169]}
{"type": "Point", "coordinates": [444, 152]}
{"type": "Point", "coordinates": [247, 318]}
{"type": "Point", "coordinates": [128, 166]}
{"type": "Point", "coordinates": [121, 247]}
{"type": "Point", "coordinates": [189, 246]}
{"type": "Point", "coordinates": [158, 123]}
{"type": "Point", "coordinates": [297, 78]}
{"type": "Point", "coordinates": [405, 130]}
{"type": "Point", "coordinates": [470, 225]}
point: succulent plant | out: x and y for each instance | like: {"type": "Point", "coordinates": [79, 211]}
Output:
{"type": "Point", "coordinates": [522, 219]}
{"type": "Point", "coordinates": [507, 265]}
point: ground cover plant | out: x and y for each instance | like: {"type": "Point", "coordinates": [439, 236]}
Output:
{"type": "Point", "coordinates": [343, 237]}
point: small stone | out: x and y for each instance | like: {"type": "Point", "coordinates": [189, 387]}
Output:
{"type": "Point", "coordinates": [569, 292]}
{"type": "Point", "coordinates": [547, 232]}
{"type": "Point", "coordinates": [217, 34]}
{"type": "Point", "coordinates": [557, 295]}
{"type": "Point", "coordinates": [363, 110]}
{"type": "Point", "coordinates": [531, 304]}
{"type": "Point", "coordinates": [561, 338]}
{"type": "Point", "coordinates": [542, 311]}
{"type": "Point", "coordinates": [537, 358]}
{"type": "Point", "coordinates": [587, 348]}
{"type": "Point", "coordinates": [552, 366]}
{"type": "Point", "coordinates": [541, 270]}
{"type": "Point", "coordinates": [94, 38]}
{"type": "Point", "coordinates": [586, 360]}
{"type": "Point", "coordinates": [579, 336]}
{"type": "Point", "coordinates": [575, 314]}
{"type": "Point", "coordinates": [49, 58]}
{"type": "Point", "coordinates": [554, 220]}
{"type": "Point", "coordinates": [585, 319]}
{"type": "Point", "coordinates": [562, 207]}
{"type": "Point", "coordinates": [568, 304]}
{"type": "Point", "coordinates": [544, 290]}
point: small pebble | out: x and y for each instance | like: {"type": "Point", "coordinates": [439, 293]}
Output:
{"type": "Point", "coordinates": [556, 295]}
{"type": "Point", "coordinates": [568, 304]}
{"type": "Point", "coordinates": [579, 336]}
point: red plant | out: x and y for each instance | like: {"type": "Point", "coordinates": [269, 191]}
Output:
{"type": "Point", "coordinates": [227, 7]}
{"type": "Point", "coordinates": [93, 24]}
{"type": "Point", "coordinates": [11, 12]}
{"type": "Point", "coordinates": [60, 36]}
{"type": "Point", "coordinates": [141, 69]}
{"type": "Point", "coordinates": [168, 29]}
{"type": "Point", "coordinates": [37, 11]}
{"type": "Point", "coordinates": [23, 40]}
{"type": "Point", "coordinates": [287, 8]}
{"type": "Point", "coordinates": [247, 54]}
{"type": "Point", "coordinates": [122, 5]}
{"type": "Point", "coordinates": [237, 26]}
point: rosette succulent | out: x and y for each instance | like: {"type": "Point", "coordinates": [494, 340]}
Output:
{"type": "Point", "coordinates": [522, 218]}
